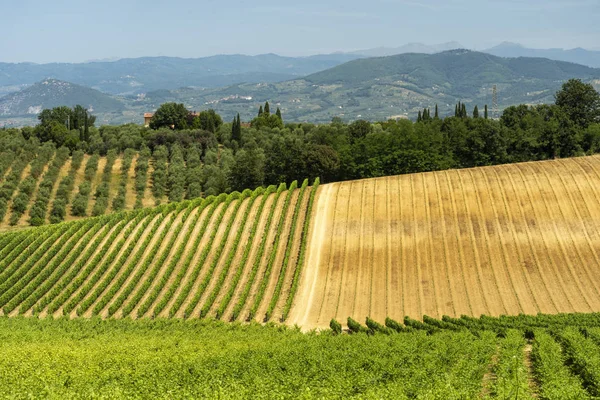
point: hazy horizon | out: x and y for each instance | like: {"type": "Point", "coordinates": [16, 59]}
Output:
{"type": "Point", "coordinates": [71, 31]}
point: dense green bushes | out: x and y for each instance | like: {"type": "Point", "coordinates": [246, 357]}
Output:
{"type": "Point", "coordinates": [103, 189]}
{"type": "Point", "coordinates": [159, 176]}
{"type": "Point", "coordinates": [39, 209]}
{"type": "Point", "coordinates": [118, 202]}
{"type": "Point", "coordinates": [177, 174]}
{"type": "Point", "coordinates": [141, 175]}
{"type": "Point", "coordinates": [65, 187]}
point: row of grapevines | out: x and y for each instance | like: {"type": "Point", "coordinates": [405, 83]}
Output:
{"type": "Point", "coordinates": [159, 176]}
{"type": "Point", "coordinates": [60, 271]}
{"type": "Point", "coordinates": [63, 279]}
{"type": "Point", "coordinates": [103, 189]}
{"type": "Point", "coordinates": [225, 200]}
{"type": "Point", "coordinates": [240, 268]}
{"type": "Point", "coordinates": [300, 261]}
{"type": "Point", "coordinates": [80, 202]}
{"type": "Point", "coordinates": [19, 255]}
{"type": "Point", "coordinates": [38, 211]}
{"type": "Point", "coordinates": [511, 375]}
{"type": "Point", "coordinates": [555, 379]}
{"type": "Point", "coordinates": [143, 268]}
{"type": "Point", "coordinates": [77, 277]}
{"type": "Point", "coordinates": [141, 175]}
{"type": "Point", "coordinates": [214, 202]}
{"type": "Point", "coordinates": [91, 280]}
{"type": "Point", "coordinates": [273, 255]}
{"type": "Point", "coordinates": [288, 252]}
{"type": "Point", "coordinates": [38, 276]}
{"type": "Point", "coordinates": [582, 355]}
{"type": "Point", "coordinates": [261, 249]}
{"type": "Point", "coordinates": [217, 255]}
{"type": "Point", "coordinates": [115, 269]}
{"type": "Point", "coordinates": [65, 187]}
{"type": "Point", "coordinates": [119, 201]}
{"type": "Point", "coordinates": [199, 205]}
{"type": "Point", "coordinates": [44, 253]}
{"type": "Point", "coordinates": [225, 271]}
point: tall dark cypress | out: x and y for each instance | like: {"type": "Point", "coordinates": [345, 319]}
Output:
{"type": "Point", "coordinates": [278, 113]}
{"type": "Point", "coordinates": [476, 112]}
{"type": "Point", "coordinates": [436, 116]}
{"type": "Point", "coordinates": [267, 109]}
{"type": "Point", "coordinates": [419, 118]}
{"type": "Point", "coordinates": [260, 111]}
{"type": "Point", "coordinates": [464, 111]}
{"type": "Point", "coordinates": [485, 112]}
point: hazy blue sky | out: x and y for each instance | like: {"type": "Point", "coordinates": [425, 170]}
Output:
{"type": "Point", "coordinates": [66, 30]}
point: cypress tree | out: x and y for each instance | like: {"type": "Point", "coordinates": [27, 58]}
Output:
{"type": "Point", "coordinates": [267, 109]}
{"type": "Point", "coordinates": [419, 118]}
{"type": "Point", "coordinates": [278, 113]}
{"type": "Point", "coordinates": [485, 112]}
{"type": "Point", "coordinates": [236, 133]}
{"type": "Point", "coordinates": [476, 112]}
{"type": "Point", "coordinates": [456, 109]}
{"type": "Point", "coordinates": [436, 116]}
{"type": "Point", "coordinates": [464, 111]}
{"type": "Point", "coordinates": [260, 111]}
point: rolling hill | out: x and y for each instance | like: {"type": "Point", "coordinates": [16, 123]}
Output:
{"type": "Point", "coordinates": [53, 93]}
{"type": "Point", "coordinates": [508, 239]}
{"type": "Point", "coordinates": [394, 86]}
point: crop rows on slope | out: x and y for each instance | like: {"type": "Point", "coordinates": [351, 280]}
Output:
{"type": "Point", "coordinates": [140, 262]}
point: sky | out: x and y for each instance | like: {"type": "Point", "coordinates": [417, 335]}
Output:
{"type": "Point", "coordinates": [45, 31]}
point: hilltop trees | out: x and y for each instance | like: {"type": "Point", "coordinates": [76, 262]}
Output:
{"type": "Point", "coordinates": [580, 101]}
{"type": "Point", "coordinates": [65, 126]}
{"type": "Point", "coordinates": [267, 120]}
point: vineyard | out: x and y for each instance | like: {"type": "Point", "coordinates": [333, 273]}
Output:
{"type": "Point", "coordinates": [551, 357]}
{"type": "Point", "coordinates": [509, 239]}
{"type": "Point", "coordinates": [235, 257]}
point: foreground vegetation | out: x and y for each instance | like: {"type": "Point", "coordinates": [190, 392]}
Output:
{"type": "Point", "coordinates": [551, 357]}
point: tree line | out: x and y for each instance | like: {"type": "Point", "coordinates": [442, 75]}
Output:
{"type": "Point", "coordinates": [235, 156]}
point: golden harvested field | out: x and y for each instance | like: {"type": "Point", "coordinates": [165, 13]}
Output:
{"type": "Point", "coordinates": [510, 239]}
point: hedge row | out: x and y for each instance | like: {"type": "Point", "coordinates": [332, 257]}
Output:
{"type": "Point", "coordinates": [118, 202]}
{"type": "Point", "coordinates": [103, 190]}
{"type": "Point", "coordinates": [80, 202]}
{"type": "Point", "coordinates": [39, 209]}
{"type": "Point", "coordinates": [65, 187]}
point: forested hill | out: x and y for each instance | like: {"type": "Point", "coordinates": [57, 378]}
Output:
{"type": "Point", "coordinates": [454, 67]}
{"type": "Point", "coordinates": [396, 86]}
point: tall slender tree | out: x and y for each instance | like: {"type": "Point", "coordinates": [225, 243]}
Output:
{"type": "Point", "coordinates": [267, 109]}
{"type": "Point", "coordinates": [463, 112]}
{"type": "Point", "coordinates": [260, 111]}
{"type": "Point", "coordinates": [476, 112]}
{"type": "Point", "coordinates": [436, 116]}
{"type": "Point", "coordinates": [485, 112]}
{"type": "Point", "coordinates": [278, 113]}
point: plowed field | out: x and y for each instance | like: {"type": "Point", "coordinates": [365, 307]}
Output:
{"type": "Point", "coordinates": [510, 239]}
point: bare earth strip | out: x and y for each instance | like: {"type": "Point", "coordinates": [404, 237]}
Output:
{"type": "Point", "coordinates": [307, 291]}
{"type": "Point", "coordinates": [130, 193]}
{"type": "Point", "coordinates": [509, 239]}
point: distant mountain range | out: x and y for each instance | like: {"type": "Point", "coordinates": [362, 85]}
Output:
{"type": "Point", "coordinates": [140, 75]}
{"type": "Point", "coordinates": [577, 56]}
{"type": "Point", "coordinates": [370, 88]}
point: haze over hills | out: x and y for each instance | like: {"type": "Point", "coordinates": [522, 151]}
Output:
{"type": "Point", "coordinates": [139, 75]}
{"type": "Point", "coordinates": [408, 48]}
{"type": "Point", "coordinates": [578, 55]}
{"type": "Point", "coordinates": [371, 88]}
